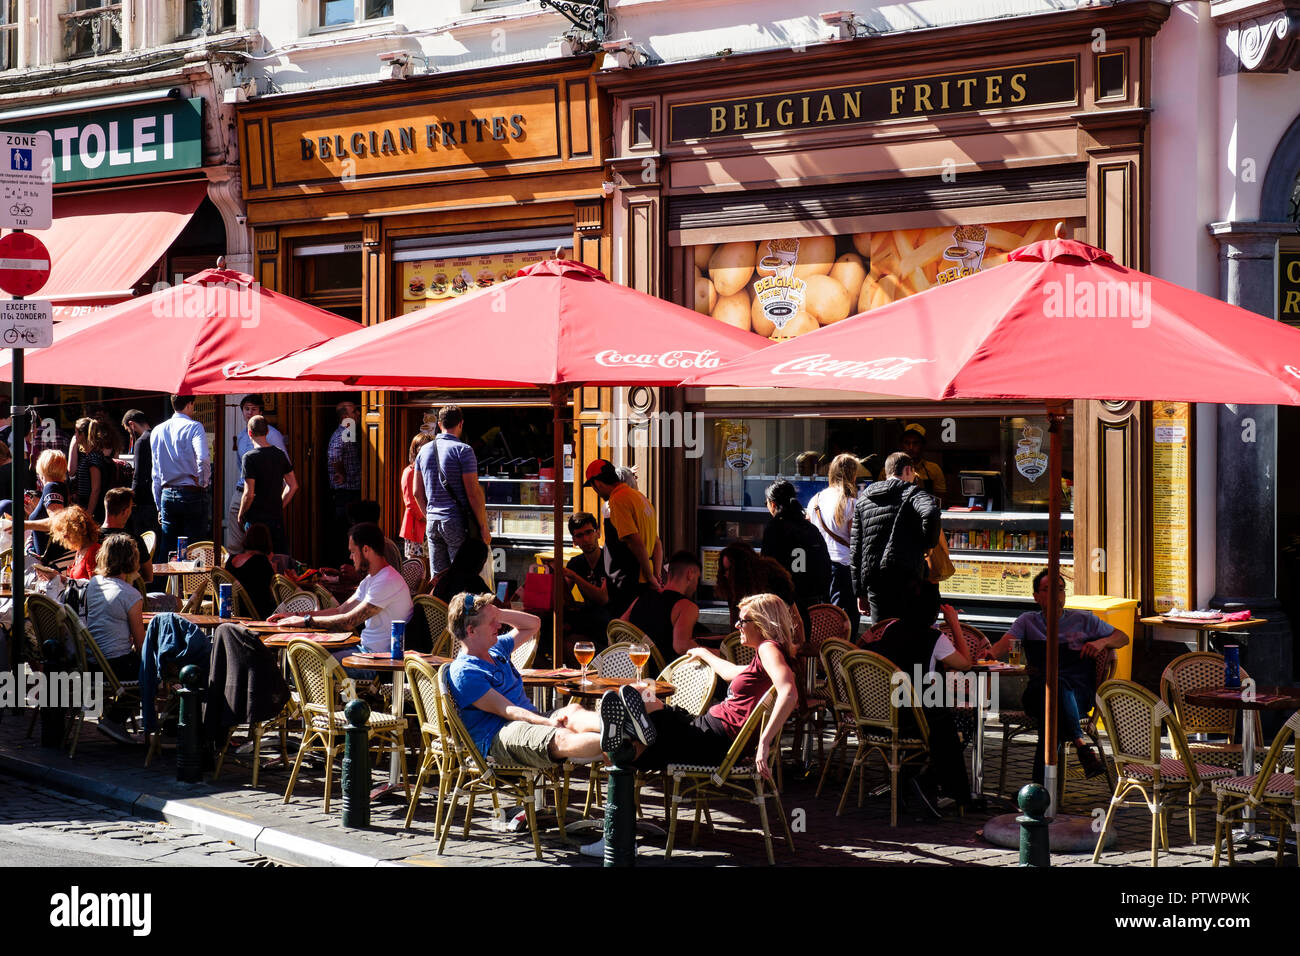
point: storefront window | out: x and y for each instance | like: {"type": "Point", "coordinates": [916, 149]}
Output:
{"type": "Point", "coordinates": [329, 275]}
{"type": "Point", "coordinates": [439, 269]}
{"type": "Point", "coordinates": [990, 473]}
{"type": "Point", "coordinates": [785, 287]}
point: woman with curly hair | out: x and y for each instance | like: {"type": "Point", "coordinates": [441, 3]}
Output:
{"type": "Point", "coordinates": [76, 530]}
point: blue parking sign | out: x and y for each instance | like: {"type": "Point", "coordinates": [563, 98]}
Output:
{"type": "Point", "coordinates": [20, 159]}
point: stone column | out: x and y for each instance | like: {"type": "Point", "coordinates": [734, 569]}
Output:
{"type": "Point", "coordinates": [1246, 550]}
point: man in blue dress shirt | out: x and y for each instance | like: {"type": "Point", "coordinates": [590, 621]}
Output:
{"type": "Point", "coordinates": [182, 463]}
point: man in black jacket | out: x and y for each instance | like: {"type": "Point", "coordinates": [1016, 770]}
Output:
{"type": "Point", "coordinates": [894, 524]}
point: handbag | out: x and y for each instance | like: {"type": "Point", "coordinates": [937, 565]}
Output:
{"type": "Point", "coordinates": [939, 561]}
{"type": "Point", "coordinates": [539, 592]}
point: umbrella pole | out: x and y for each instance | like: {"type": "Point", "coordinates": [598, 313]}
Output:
{"type": "Point", "coordinates": [558, 403]}
{"type": "Point", "coordinates": [1056, 425]}
{"type": "Point", "coordinates": [218, 478]}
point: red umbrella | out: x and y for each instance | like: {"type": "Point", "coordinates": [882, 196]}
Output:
{"type": "Point", "coordinates": [187, 339]}
{"type": "Point", "coordinates": [1059, 320]}
{"type": "Point", "coordinates": [558, 323]}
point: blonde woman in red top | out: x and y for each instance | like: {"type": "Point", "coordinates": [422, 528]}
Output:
{"type": "Point", "coordinates": [412, 532]}
{"type": "Point", "coordinates": [665, 735]}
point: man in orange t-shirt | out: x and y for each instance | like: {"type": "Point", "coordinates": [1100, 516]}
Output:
{"type": "Point", "coordinates": [633, 518]}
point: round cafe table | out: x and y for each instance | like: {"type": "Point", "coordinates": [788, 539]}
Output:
{"type": "Point", "coordinates": [982, 670]}
{"type": "Point", "coordinates": [385, 663]}
{"type": "Point", "coordinates": [1246, 700]}
{"type": "Point", "coordinates": [599, 685]}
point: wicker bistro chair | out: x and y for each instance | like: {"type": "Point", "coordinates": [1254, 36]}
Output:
{"type": "Point", "coordinates": [413, 573]}
{"type": "Point", "coordinates": [614, 661]}
{"type": "Point", "coordinates": [522, 656]}
{"type": "Point", "coordinates": [150, 540]}
{"type": "Point", "coordinates": [869, 680]}
{"type": "Point", "coordinates": [327, 600]}
{"type": "Point", "coordinates": [477, 775]}
{"type": "Point", "coordinates": [733, 649]}
{"type": "Point", "coordinates": [299, 602]}
{"type": "Point", "coordinates": [1135, 718]}
{"type": "Point", "coordinates": [828, 620]}
{"type": "Point", "coordinates": [243, 606]}
{"type": "Point", "coordinates": [1205, 669]}
{"type": "Point", "coordinates": [621, 632]}
{"type": "Point", "coordinates": [695, 682]}
{"type": "Point", "coordinates": [875, 632]}
{"type": "Point", "coordinates": [736, 778]}
{"type": "Point", "coordinates": [282, 587]}
{"type": "Point", "coordinates": [87, 649]}
{"type": "Point", "coordinates": [1276, 794]}
{"type": "Point", "coordinates": [437, 759]}
{"type": "Point", "coordinates": [435, 615]}
{"type": "Point", "coordinates": [317, 675]}
{"type": "Point", "coordinates": [832, 654]}
{"type": "Point", "coordinates": [200, 582]}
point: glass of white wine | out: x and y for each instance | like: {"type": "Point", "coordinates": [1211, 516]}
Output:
{"type": "Point", "coordinates": [584, 651]}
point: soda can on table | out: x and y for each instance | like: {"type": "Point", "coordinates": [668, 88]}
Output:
{"type": "Point", "coordinates": [182, 545]}
{"type": "Point", "coordinates": [397, 640]}
{"type": "Point", "coordinates": [225, 598]}
{"type": "Point", "coordinates": [1231, 665]}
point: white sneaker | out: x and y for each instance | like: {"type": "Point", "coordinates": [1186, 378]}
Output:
{"type": "Point", "coordinates": [596, 849]}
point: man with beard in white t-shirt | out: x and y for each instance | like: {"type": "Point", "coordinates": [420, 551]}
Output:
{"type": "Point", "coordinates": [381, 598]}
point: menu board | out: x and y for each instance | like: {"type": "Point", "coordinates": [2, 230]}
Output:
{"type": "Point", "coordinates": [1000, 579]}
{"type": "Point", "coordinates": [426, 281]}
{"type": "Point", "coordinates": [784, 287]}
{"type": "Point", "coordinates": [709, 558]}
{"type": "Point", "coordinates": [1171, 505]}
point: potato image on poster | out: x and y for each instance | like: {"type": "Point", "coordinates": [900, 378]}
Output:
{"type": "Point", "coordinates": [758, 319]}
{"type": "Point", "coordinates": [851, 272]}
{"type": "Point", "coordinates": [706, 296]}
{"type": "Point", "coordinates": [731, 267]}
{"type": "Point", "coordinates": [734, 310]}
{"type": "Point", "coordinates": [816, 256]}
{"type": "Point", "coordinates": [702, 256]}
{"type": "Point", "coordinates": [799, 323]}
{"type": "Point", "coordinates": [826, 300]}
{"type": "Point", "coordinates": [862, 243]}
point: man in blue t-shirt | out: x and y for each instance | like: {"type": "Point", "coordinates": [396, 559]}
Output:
{"type": "Point", "coordinates": [447, 488]}
{"type": "Point", "coordinates": [493, 703]}
{"type": "Point", "coordinates": [1084, 640]}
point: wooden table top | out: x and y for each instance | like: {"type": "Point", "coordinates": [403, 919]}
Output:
{"type": "Point", "coordinates": [599, 685]}
{"type": "Point", "coordinates": [550, 676]}
{"type": "Point", "coordinates": [1263, 698]}
{"type": "Point", "coordinates": [330, 640]}
{"type": "Point", "coordinates": [998, 667]}
{"type": "Point", "coordinates": [179, 567]}
{"type": "Point", "coordinates": [1193, 625]}
{"type": "Point", "coordinates": [384, 662]}
{"type": "Point", "coordinates": [201, 620]}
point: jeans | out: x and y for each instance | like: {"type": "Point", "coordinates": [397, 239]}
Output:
{"type": "Point", "coordinates": [184, 514]}
{"type": "Point", "coordinates": [446, 535]}
{"type": "Point", "coordinates": [1073, 700]}
{"type": "Point", "coordinates": [842, 595]}
{"type": "Point", "coordinates": [233, 527]}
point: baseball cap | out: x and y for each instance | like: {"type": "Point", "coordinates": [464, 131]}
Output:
{"type": "Point", "coordinates": [602, 469]}
{"type": "Point", "coordinates": [914, 427]}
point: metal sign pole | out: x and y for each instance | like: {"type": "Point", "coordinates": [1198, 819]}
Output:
{"type": "Point", "coordinates": [18, 487]}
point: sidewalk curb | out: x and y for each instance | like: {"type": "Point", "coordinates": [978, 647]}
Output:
{"type": "Point", "coordinates": [266, 841]}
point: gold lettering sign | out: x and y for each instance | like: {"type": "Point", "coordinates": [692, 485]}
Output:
{"type": "Point", "coordinates": [443, 134]}
{"type": "Point", "coordinates": [1035, 84]}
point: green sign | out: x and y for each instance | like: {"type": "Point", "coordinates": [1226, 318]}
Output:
{"type": "Point", "coordinates": [107, 144]}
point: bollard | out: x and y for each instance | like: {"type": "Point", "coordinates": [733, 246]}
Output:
{"type": "Point", "coordinates": [189, 763]}
{"type": "Point", "coordinates": [356, 766]}
{"type": "Point", "coordinates": [1035, 850]}
{"type": "Point", "coordinates": [620, 810]}
{"type": "Point", "coordinates": [52, 717]}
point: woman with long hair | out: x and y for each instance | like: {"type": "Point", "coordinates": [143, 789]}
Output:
{"type": "Point", "coordinates": [76, 530]}
{"type": "Point", "coordinates": [254, 569]}
{"type": "Point", "coordinates": [831, 512]}
{"type": "Point", "coordinates": [791, 539]}
{"type": "Point", "coordinates": [665, 735]}
{"type": "Point", "coordinates": [412, 531]}
{"type": "Point", "coordinates": [114, 616]}
{"type": "Point", "coordinates": [93, 468]}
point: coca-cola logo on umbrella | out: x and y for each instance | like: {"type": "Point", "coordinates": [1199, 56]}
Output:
{"type": "Point", "coordinates": [1293, 370]}
{"type": "Point", "coordinates": [881, 369]}
{"type": "Point", "coordinates": [704, 359]}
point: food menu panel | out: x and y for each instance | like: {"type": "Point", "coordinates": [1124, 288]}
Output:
{"type": "Point", "coordinates": [1171, 505]}
{"type": "Point", "coordinates": [785, 287]}
{"type": "Point", "coordinates": [999, 579]}
{"type": "Point", "coordinates": [426, 281]}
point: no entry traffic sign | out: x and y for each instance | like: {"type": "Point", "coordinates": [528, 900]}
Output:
{"type": "Point", "coordinates": [24, 263]}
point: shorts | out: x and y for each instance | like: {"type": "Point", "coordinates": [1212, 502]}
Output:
{"type": "Point", "coordinates": [520, 743]}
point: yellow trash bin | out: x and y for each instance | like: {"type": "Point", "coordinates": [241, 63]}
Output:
{"type": "Point", "coordinates": [1119, 613]}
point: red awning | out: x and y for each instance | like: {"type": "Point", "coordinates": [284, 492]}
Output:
{"type": "Point", "coordinates": [102, 242]}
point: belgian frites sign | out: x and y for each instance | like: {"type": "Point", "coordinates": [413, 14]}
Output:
{"type": "Point", "coordinates": [940, 94]}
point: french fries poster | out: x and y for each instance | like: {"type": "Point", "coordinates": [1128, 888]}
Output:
{"type": "Point", "coordinates": [781, 288]}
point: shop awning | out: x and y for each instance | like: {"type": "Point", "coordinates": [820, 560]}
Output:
{"type": "Point", "coordinates": [101, 243]}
